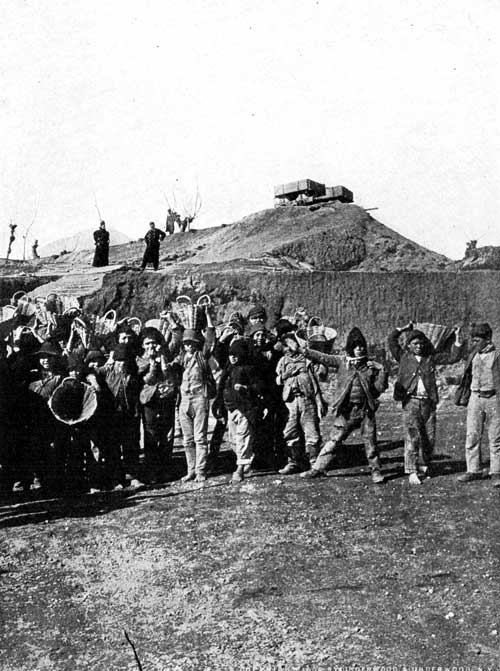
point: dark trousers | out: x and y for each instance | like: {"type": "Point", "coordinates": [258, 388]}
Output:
{"type": "Point", "coordinates": [127, 440]}
{"type": "Point", "coordinates": [151, 255]}
{"type": "Point", "coordinates": [345, 422]}
{"type": "Point", "coordinates": [158, 421]}
{"type": "Point", "coordinates": [419, 419]}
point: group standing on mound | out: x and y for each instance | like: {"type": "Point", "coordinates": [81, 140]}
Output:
{"type": "Point", "coordinates": [263, 386]}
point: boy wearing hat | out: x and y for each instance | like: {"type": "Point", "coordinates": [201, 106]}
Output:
{"type": "Point", "coordinates": [197, 388]}
{"type": "Point", "coordinates": [416, 388]}
{"type": "Point", "coordinates": [360, 382]}
{"type": "Point", "coordinates": [239, 391]}
{"type": "Point", "coordinates": [46, 434]}
{"type": "Point", "coordinates": [479, 390]}
{"type": "Point", "coordinates": [305, 406]}
{"type": "Point", "coordinates": [158, 397]}
{"type": "Point", "coordinates": [268, 444]}
{"type": "Point", "coordinates": [120, 376]}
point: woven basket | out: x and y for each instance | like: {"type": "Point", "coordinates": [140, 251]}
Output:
{"type": "Point", "coordinates": [436, 333]}
{"type": "Point", "coordinates": [103, 325]}
{"type": "Point", "coordinates": [73, 401]}
{"type": "Point", "coordinates": [192, 315]}
{"type": "Point", "coordinates": [132, 322]}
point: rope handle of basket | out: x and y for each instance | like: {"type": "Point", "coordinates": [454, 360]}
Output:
{"type": "Point", "coordinates": [204, 301]}
{"type": "Point", "coordinates": [110, 315]}
{"type": "Point", "coordinates": [315, 326]}
{"type": "Point", "coordinates": [184, 299]}
{"type": "Point", "coordinates": [18, 295]}
{"type": "Point", "coordinates": [135, 322]}
{"type": "Point", "coordinates": [73, 310]}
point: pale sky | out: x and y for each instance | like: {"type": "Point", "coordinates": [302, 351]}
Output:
{"type": "Point", "coordinates": [397, 100]}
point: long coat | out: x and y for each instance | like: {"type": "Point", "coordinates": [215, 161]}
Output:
{"type": "Point", "coordinates": [101, 254]}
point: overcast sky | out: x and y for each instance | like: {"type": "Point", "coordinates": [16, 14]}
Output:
{"type": "Point", "coordinates": [118, 102]}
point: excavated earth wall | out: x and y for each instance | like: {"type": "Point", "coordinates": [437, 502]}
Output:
{"type": "Point", "coordinates": [374, 301]}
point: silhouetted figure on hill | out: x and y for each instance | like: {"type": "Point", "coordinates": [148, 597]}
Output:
{"type": "Point", "coordinates": [152, 252]}
{"type": "Point", "coordinates": [173, 218]}
{"type": "Point", "coordinates": [34, 250]}
{"type": "Point", "coordinates": [101, 241]}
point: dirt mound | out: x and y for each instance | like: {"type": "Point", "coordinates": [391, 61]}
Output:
{"type": "Point", "coordinates": [333, 237]}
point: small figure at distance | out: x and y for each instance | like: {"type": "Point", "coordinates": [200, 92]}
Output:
{"type": "Point", "coordinates": [101, 241]}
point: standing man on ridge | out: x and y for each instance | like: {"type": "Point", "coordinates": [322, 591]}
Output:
{"type": "Point", "coordinates": [152, 252]}
{"type": "Point", "coordinates": [101, 241]}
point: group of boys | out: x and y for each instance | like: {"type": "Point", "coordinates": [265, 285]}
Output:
{"type": "Point", "coordinates": [263, 388]}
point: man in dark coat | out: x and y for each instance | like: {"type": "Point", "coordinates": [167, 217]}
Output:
{"type": "Point", "coordinates": [152, 252]}
{"type": "Point", "coordinates": [416, 388]}
{"type": "Point", "coordinates": [360, 382]}
{"type": "Point", "coordinates": [101, 241]}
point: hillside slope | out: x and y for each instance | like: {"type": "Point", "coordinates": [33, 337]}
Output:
{"type": "Point", "coordinates": [336, 237]}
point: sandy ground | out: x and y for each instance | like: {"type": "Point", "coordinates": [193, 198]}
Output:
{"type": "Point", "coordinates": [276, 573]}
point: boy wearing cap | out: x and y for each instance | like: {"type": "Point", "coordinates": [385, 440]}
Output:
{"type": "Point", "coordinates": [46, 434]}
{"type": "Point", "coordinates": [305, 406]}
{"type": "Point", "coordinates": [479, 390]}
{"type": "Point", "coordinates": [158, 397]}
{"type": "Point", "coordinates": [197, 388]}
{"type": "Point", "coordinates": [120, 376]}
{"type": "Point", "coordinates": [239, 391]}
{"type": "Point", "coordinates": [416, 388]}
{"type": "Point", "coordinates": [360, 382]}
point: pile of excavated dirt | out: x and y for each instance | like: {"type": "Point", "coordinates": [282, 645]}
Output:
{"type": "Point", "coordinates": [334, 237]}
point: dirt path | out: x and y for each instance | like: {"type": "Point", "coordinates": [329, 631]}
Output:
{"type": "Point", "coordinates": [277, 573]}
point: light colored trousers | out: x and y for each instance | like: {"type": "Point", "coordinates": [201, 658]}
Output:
{"type": "Point", "coordinates": [482, 414]}
{"type": "Point", "coordinates": [241, 437]}
{"type": "Point", "coordinates": [193, 416]}
{"type": "Point", "coordinates": [302, 420]}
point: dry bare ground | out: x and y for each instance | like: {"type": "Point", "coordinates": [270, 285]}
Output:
{"type": "Point", "coordinates": [276, 573]}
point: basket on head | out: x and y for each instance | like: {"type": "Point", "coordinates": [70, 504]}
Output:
{"type": "Point", "coordinates": [192, 315]}
{"type": "Point", "coordinates": [133, 323]}
{"type": "Point", "coordinates": [106, 324]}
{"type": "Point", "coordinates": [436, 333]}
{"type": "Point", "coordinates": [73, 401]}
{"type": "Point", "coordinates": [83, 330]}
{"type": "Point", "coordinates": [54, 304]}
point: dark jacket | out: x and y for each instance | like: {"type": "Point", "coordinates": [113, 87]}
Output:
{"type": "Point", "coordinates": [410, 369]}
{"type": "Point", "coordinates": [153, 238]}
{"type": "Point", "coordinates": [159, 382]}
{"type": "Point", "coordinates": [247, 401]}
{"type": "Point", "coordinates": [371, 375]}
{"type": "Point", "coordinates": [125, 388]}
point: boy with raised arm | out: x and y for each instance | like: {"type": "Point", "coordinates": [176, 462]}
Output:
{"type": "Point", "coordinates": [360, 383]}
